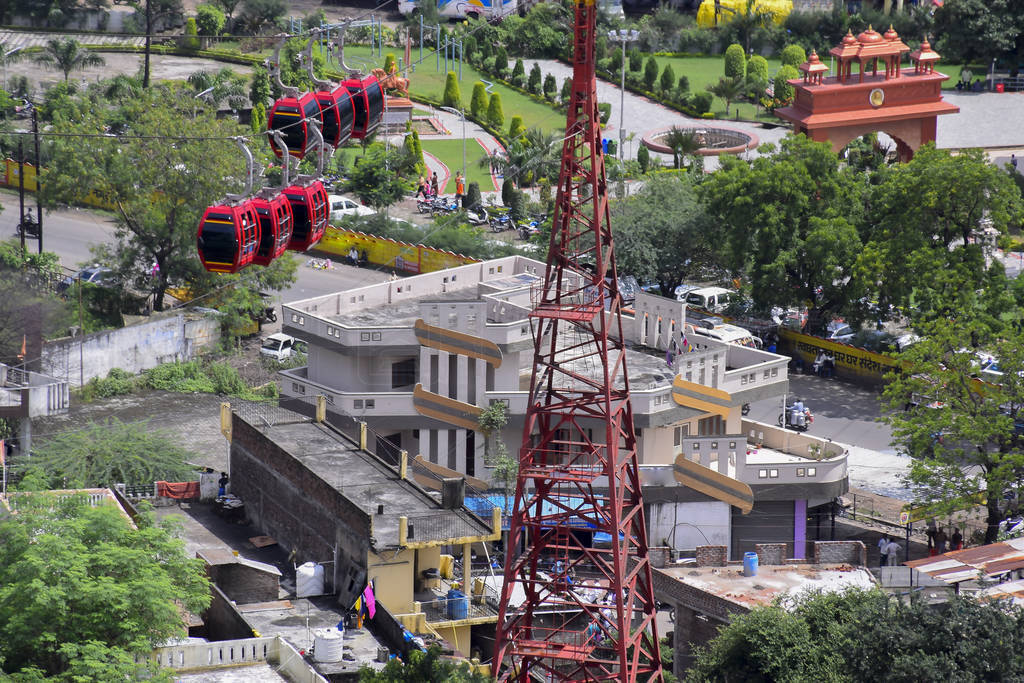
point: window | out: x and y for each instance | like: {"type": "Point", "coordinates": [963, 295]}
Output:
{"type": "Point", "coordinates": [433, 446]}
{"type": "Point", "coordinates": [714, 445]}
{"type": "Point", "coordinates": [711, 426]}
{"type": "Point", "coordinates": [678, 434]}
{"type": "Point", "coordinates": [800, 471]}
{"type": "Point", "coordinates": [696, 445]}
{"type": "Point", "coordinates": [452, 464]}
{"type": "Point", "coordinates": [471, 381]}
{"type": "Point", "coordinates": [812, 471]}
{"type": "Point", "coordinates": [773, 474]}
{"type": "Point", "coordinates": [357, 404]}
{"type": "Point", "coordinates": [732, 444]}
{"type": "Point", "coordinates": [453, 376]}
{"type": "Point", "coordinates": [403, 373]}
{"type": "Point", "coordinates": [767, 374]}
{"type": "Point", "coordinates": [489, 380]}
{"type": "Point", "coordinates": [471, 321]}
{"type": "Point", "coordinates": [298, 388]}
{"type": "Point", "coordinates": [743, 379]}
{"type": "Point", "coordinates": [775, 372]}
{"type": "Point", "coordinates": [364, 336]}
{"type": "Point", "coordinates": [490, 271]}
{"type": "Point", "coordinates": [371, 403]}
{"type": "Point", "coordinates": [434, 371]}
{"type": "Point", "coordinates": [453, 320]}
{"type": "Point", "coordinates": [762, 474]}
{"type": "Point", "coordinates": [375, 336]}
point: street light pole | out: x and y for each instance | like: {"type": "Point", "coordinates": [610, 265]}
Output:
{"type": "Point", "coordinates": [623, 36]}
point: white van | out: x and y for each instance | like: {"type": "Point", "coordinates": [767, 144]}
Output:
{"type": "Point", "coordinates": [730, 334]}
{"type": "Point", "coordinates": [280, 346]}
{"type": "Point", "coordinates": [712, 299]}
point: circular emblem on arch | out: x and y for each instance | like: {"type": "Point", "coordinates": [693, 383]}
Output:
{"type": "Point", "coordinates": [876, 97]}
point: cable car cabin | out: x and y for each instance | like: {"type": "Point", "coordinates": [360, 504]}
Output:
{"type": "Point", "coordinates": [289, 115]}
{"type": "Point", "coordinates": [336, 107]}
{"type": "Point", "coordinates": [310, 210]}
{"type": "Point", "coordinates": [228, 236]}
{"type": "Point", "coordinates": [368, 103]}
{"type": "Point", "coordinates": [275, 217]}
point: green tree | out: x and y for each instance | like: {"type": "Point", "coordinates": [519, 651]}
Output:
{"type": "Point", "coordinates": [643, 157]}
{"type": "Point", "coordinates": [452, 95]}
{"type": "Point", "coordinates": [866, 636]}
{"type": "Point", "coordinates": [550, 87]}
{"type": "Point", "coordinates": [615, 61]}
{"type": "Point", "coordinates": [473, 197]}
{"type": "Point", "coordinates": [729, 89]}
{"type": "Point", "coordinates": [262, 15]}
{"type": "Point", "coordinates": [103, 454]}
{"type": "Point", "coordinates": [793, 55]}
{"type": "Point", "coordinates": [508, 188]}
{"type": "Point", "coordinates": [535, 79]}
{"type": "Point", "coordinates": [566, 91]}
{"type": "Point", "coordinates": [518, 73]}
{"type": "Point", "coordinates": [531, 157]}
{"type": "Point", "coordinates": [735, 61]}
{"type": "Point", "coordinates": [258, 118]}
{"type": "Point", "coordinates": [229, 7]}
{"type": "Point", "coordinates": [636, 60]}
{"type": "Point", "coordinates": [190, 41]}
{"type": "Point", "coordinates": [516, 128]}
{"type": "Point", "coordinates": [783, 90]}
{"type": "Point", "coordinates": [478, 101]}
{"type": "Point", "coordinates": [491, 421]}
{"type": "Point", "coordinates": [650, 72]}
{"type": "Point", "coordinates": [757, 68]}
{"type": "Point", "coordinates": [668, 79]}
{"type": "Point", "coordinates": [962, 438]}
{"type": "Point", "coordinates": [978, 31]}
{"type": "Point", "coordinates": [918, 251]}
{"type": "Point", "coordinates": [82, 590]}
{"type": "Point", "coordinates": [423, 667]}
{"type": "Point", "coordinates": [683, 86]}
{"type": "Point", "coordinates": [219, 86]}
{"type": "Point", "coordinates": [670, 236]}
{"type": "Point", "coordinates": [210, 19]}
{"type": "Point", "coordinates": [683, 142]}
{"type": "Point", "coordinates": [160, 185]}
{"type": "Point", "coordinates": [500, 62]}
{"type": "Point", "coordinates": [495, 115]}
{"type": "Point", "coordinates": [789, 221]}
{"type": "Point", "coordinates": [260, 89]}
{"type": "Point", "coordinates": [701, 101]}
{"type": "Point", "coordinates": [67, 55]}
{"type": "Point", "coordinates": [373, 181]}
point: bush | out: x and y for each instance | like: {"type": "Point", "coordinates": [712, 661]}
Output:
{"type": "Point", "coordinates": [668, 79]}
{"type": "Point", "coordinates": [190, 41]}
{"type": "Point", "coordinates": [550, 87]}
{"type": "Point", "coordinates": [495, 114]}
{"type": "Point", "coordinates": [118, 382]}
{"type": "Point", "coordinates": [535, 79]}
{"type": "Point", "coordinates": [566, 90]}
{"type": "Point", "coordinates": [508, 188]}
{"type": "Point", "coordinates": [735, 61]}
{"type": "Point", "coordinates": [473, 197]}
{"type": "Point", "coordinates": [643, 157]}
{"type": "Point", "coordinates": [478, 102]}
{"type": "Point", "coordinates": [518, 74]}
{"type": "Point", "coordinates": [783, 90]}
{"type": "Point", "coordinates": [516, 128]}
{"type": "Point", "coordinates": [209, 20]}
{"type": "Point", "coordinates": [606, 111]}
{"type": "Point", "coordinates": [469, 47]}
{"type": "Point", "coordinates": [615, 61]}
{"type": "Point", "coordinates": [793, 55]}
{"type": "Point", "coordinates": [684, 85]}
{"type": "Point", "coordinates": [701, 101]}
{"type": "Point", "coordinates": [500, 62]}
{"type": "Point", "coordinates": [757, 69]}
{"type": "Point", "coordinates": [452, 95]}
{"type": "Point", "coordinates": [636, 60]}
{"type": "Point", "coordinates": [650, 73]}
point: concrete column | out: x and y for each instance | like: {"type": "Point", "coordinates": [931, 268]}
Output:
{"type": "Point", "coordinates": [442, 372]}
{"type": "Point", "coordinates": [799, 528]}
{"type": "Point", "coordinates": [25, 436]}
{"type": "Point", "coordinates": [460, 450]}
{"type": "Point", "coordinates": [462, 378]}
{"type": "Point", "coordinates": [467, 571]}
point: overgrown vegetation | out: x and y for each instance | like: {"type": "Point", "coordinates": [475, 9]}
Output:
{"type": "Point", "coordinates": [189, 377]}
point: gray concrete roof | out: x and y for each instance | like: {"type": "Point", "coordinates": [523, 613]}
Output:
{"type": "Point", "coordinates": [254, 673]}
{"type": "Point", "coordinates": [367, 482]}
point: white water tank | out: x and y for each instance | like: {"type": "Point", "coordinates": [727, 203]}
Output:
{"type": "Point", "coordinates": [328, 645]}
{"type": "Point", "coordinates": [309, 580]}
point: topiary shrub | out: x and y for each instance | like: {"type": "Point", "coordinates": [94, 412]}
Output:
{"type": "Point", "coordinates": [668, 79]}
{"type": "Point", "coordinates": [793, 55]}
{"type": "Point", "coordinates": [783, 90]}
{"type": "Point", "coordinates": [535, 79]}
{"type": "Point", "coordinates": [701, 101]}
{"type": "Point", "coordinates": [452, 96]}
{"type": "Point", "coordinates": [650, 73]}
{"type": "Point", "coordinates": [735, 61]}
{"type": "Point", "coordinates": [643, 157]}
{"type": "Point", "coordinates": [495, 114]}
{"type": "Point", "coordinates": [478, 101]}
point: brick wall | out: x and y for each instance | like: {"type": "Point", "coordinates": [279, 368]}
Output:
{"type": "Point", "coordinates": [244, 584]}
{"type": "Point", "coordinates": [658, 555]}
{"type": "Point", "coordinates": [693, 629]}
{"type": "Point", "coordinates": [222, 620]}
{"type": "Point", "coordinates": [712, 555]}
{"type": "Point", "coordinates": [770, 553]}
{"type": "Point", "coordinates": [839, 552]}
{"type": "Point", "coordinates": [284, 499]}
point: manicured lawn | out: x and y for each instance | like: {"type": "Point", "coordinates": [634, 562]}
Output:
{"type": "Point", "coordinates": [450, 154]}
{"type": "Point", "coordinates": [428, 80]}
{"type": "Point", "coordinates": [704, 72]}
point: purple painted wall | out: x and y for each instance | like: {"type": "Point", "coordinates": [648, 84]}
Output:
{"type": "Point", "coordinates": [799, 529]}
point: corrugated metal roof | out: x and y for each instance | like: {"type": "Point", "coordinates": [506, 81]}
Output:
{"type": "Point", "coordinates": [962, 565]}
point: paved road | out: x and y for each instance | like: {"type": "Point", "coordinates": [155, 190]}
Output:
{"type": "Point", "coordinates": [69, 233]}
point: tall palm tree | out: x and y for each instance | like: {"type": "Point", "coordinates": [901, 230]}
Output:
{"type": "Point", "coordinates": [534, 155]}
{"type": "Point", "coordinates": [729, 89]}
{"type": "Point", "coordinates": [220, 85]}
{"type": "Point", "coordinates": [682, 142]}
{"type": "Point", "coordinates": [67, 55]}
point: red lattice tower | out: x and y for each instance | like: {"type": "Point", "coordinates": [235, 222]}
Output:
{"type": "Point", "coordinates": [589, 612]}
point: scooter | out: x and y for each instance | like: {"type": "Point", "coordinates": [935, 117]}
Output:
{"type": "Point", "coordinates": [477, 215]}
{"type": "Point", "coordinates": [796, 419]}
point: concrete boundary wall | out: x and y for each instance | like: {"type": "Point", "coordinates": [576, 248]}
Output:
{"type": "Point", "coordinates": [230, 653]}
{"type": "Point", "coordinates": [133, 348]}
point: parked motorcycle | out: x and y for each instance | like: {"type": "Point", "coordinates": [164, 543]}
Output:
{"type": "Point", "coordinates": [796, 417]}
{"type": "Point", "coordinates": [477, 215]}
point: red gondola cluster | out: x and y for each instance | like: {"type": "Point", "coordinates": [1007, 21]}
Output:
{"type": "Point", "coordinates": [259, 229]}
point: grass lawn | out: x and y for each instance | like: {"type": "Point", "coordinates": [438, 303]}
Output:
{"type": "Point", "coordinates": [429, 82]}
{"type": "Point", "coordinates": [450, 154]}
{"type": "Point", "coordinates": [704, 72]}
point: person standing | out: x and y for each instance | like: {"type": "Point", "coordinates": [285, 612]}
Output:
{"type": "Point", "coordinates": [460, 189]}
{"type": "Point", "coordinates": [222, 484]}
{"type": "Point", "coordinates": [893, 553]}
{"type": "Point", "coordinates": [940, 541]}
{"type": "Point", "coordinates": [931, 537]}
{"type": "Point", "coordinates": [883, 549]}
{"type": "Point", "coordinates": [956, 541]}
{"type": "Point", "coordinates": [433, 184]}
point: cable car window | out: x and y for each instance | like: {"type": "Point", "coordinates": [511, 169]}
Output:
{"type": "Point", "coordinates": [219, 239]}
{"type": "Point", "coordinates": [312, 109]}
{"type": "Point", "coordinates": [289, 122]}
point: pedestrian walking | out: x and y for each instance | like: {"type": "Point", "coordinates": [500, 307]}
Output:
{"type": "Point", "coordinates": [893, 553]}
{"type": "Point", "coordinates": [433, 184]}
{"type": "Point", "coordinates": [940, 541]}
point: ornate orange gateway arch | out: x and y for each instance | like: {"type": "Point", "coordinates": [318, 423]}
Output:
{"type": "Point", "coordinates": [902, 103]}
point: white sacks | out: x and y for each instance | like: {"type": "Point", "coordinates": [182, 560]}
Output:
{"type": "Point", "coordinates": [309, 580]}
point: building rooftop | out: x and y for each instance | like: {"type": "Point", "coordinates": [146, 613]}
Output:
{"type": "Point", "coordinates": [253, 673]}
{"type": "Point", "coordinates": [771, 581]}
{"type": "Point", "coordinates": [368, 483]}
{"type": "Point", "coordinates": [994, 559]}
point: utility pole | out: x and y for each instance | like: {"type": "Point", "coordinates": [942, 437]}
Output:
{"type": "Point", "coordinates": [39, 185]}
{"type": "Point", "coordinates": [21, 192]}
{"type": "Point", "coordinates": [623, 36]}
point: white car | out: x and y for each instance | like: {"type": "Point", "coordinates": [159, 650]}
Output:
{"type": "Point", "coordinates": [280, 346]}
{"type": "Point", "coordinates": [343, 206]}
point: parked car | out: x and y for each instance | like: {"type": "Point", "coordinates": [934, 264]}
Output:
{"type": "Point", "coordinates": [711, 299]}
{"type": "Point", "coordinates": [838, 331]}
{"type": "Point", "coordinates": [97, 275]}
{"type": "Point", "coordinates": [280, 346]}
{"type": "Point", "coordinates": [343, 206]}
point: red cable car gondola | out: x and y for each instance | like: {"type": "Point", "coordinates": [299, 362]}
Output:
{"type": "Point", "coordinates": [368, 103]}
{"type": "Point", "coordinates": [337, 115]}
{"type": "Point", "coordinates": [310, 210]}
{"type": "Point", "coordinates": [290, 115]}
{"type": "Point", "coordinates": [274, 212]}
{"type": "Point", "coordinates": [228, 236]}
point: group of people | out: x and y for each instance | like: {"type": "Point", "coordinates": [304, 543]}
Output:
{"type": "Point", "coordinates": [354, 257]}
{"type": "Point", "coordinates": [824, 364]}
{"type": "Point", "coordinates": [428, 189]}
{"type": "Point", "coordinates": [940, 542]}
{"type": "Point", "coordinates": [888, 552]}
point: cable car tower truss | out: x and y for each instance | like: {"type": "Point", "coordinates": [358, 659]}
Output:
{"type": "Point", "coordinates": [582, 612]}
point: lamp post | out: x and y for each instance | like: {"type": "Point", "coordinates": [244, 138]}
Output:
{"type": "Point", "coordinates": [462, 115]}
{"type": "Point", "coordinates": [623, 36]}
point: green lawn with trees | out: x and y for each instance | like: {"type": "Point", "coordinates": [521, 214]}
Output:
{"type": "Point", "coordinates": [449, 152]}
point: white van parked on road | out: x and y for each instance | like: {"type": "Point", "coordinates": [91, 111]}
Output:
{"type": "Point", "coordinates": [712, 299]}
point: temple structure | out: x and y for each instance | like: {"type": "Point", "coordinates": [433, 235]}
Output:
{"type": "Point", "coordinates": [901, 102]}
